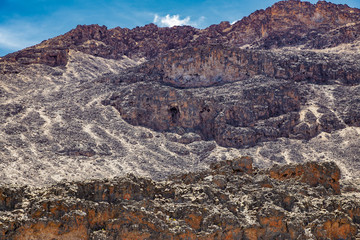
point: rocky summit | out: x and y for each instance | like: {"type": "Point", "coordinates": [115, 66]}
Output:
{"type": "Point", "coordinates": [248, 130]}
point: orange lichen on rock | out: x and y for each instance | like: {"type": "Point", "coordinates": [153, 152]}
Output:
{"type": "Point", "coordinates": [127, 196]}
{"type": "Point", "coordinates": [274, 223]}
{"type": "Point", "coordinates": [313, 173]}
{"type": "Point", "coordinates": [232, 233]}
{"type": "Point", "coordinates": [266, 185]}
{"type": "Point", "coordinates": [194, 220]}
{"type": "Point", "coordinates": [338, 228]}
{"type": "Point", "coordinates": [254, 233]}
{"type": "Point", "coordinates": [52, 230]}
{"type": "Point", "coordinates": [237, 165]}
{"type": "Point", "coordinates": [100, 218]}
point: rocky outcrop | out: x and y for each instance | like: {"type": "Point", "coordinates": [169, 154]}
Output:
{"type": "Point", "coordinates": [326, 174]}
{"type": "Point", "coordinates": [226, 112]}
{"type": "Point", "coordinates": [286, 23]}
{"type": "Point", "coordinates": [348, 104]}
{"type": "Point", "coordinates": [147, 41]}
{"type": "Point", "coordinates": [295, 66]}
{"type": "Point", "coordinates": [289, 23]}
{"type": "Point", "coordinates": [245, 118]}
{"type": "Point", "coordinates": [216, 64]}
{"type": "Point", "coordinates": [233, 117]}
{"type": "Point", "coordinates": [232, 200]}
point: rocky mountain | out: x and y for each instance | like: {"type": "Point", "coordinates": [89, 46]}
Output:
{"type": "Point", "coordinates": [286, 23]}
{"type": "Point", "coordinates": [281, 86]}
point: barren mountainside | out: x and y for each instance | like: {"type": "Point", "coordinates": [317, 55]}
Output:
{"type": "Point", "coordinates": [110, 133]}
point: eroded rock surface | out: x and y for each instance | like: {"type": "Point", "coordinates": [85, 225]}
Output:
{"type": "Point", "coordinates": [233, 116]}
{"type": "Point", "coordinates": [189, 97]}
{"type": "Point", "coordinates": [286, 23]}
{"type": "Point", "coordinates": [238, 97]}
{"type": "Point", "coordinates": [314, 174]}
{"type": "Point", "coordinates": [231, 201]}
{"type": "Point", "coordinates": [217, 64]}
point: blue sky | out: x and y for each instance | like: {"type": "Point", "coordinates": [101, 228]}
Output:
{"type": "Point", "coordinates": [27, 22]}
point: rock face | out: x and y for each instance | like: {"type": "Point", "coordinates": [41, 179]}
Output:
{"type": "Point", "coordinates": [233, 117]}
{"type": "Point", "coordinates": [236, 85]}
{"type": "Point", "coordinates": [286, 23]}
{"type": "Point", "coordinates": [216, 64]}
{"type": "Point", "coordinates": [258, 110]}
{"type": "Point", "coordinates": [230, 201]}
{"type": "Point", "coordinates": [327, 175]}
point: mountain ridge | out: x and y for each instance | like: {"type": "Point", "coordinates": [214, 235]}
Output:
{"type": "Point", "coordinates": [285, 18]}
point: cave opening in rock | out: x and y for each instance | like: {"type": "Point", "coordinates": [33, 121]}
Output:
{"type": "Point", "coordinates": [175, 113]}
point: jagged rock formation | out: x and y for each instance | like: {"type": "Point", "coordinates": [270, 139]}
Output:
{"type": "Point", "coordinates": [287, 23]}
{"type": "Point", "coordinates": [230, 201]}
{"type": "Point", "coordinates": [255, 110]}
{"type": "Point", "coordinates": [281, 85]}
{"type": "Point", "coordinates": [227, 116]}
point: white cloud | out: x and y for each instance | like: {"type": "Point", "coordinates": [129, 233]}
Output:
{"type": "Point", "coordinates": [174, 20]}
